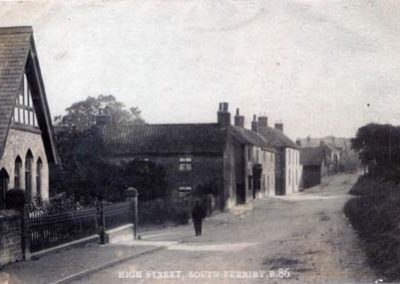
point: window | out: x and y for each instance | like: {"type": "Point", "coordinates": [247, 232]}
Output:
{"type": "Point", "coordinates": [249, 154]}
{"type": "Point", "coordinates": [39, 167]}
{"type": "Point", "coordinates": [257, 156]}
{"type": "Point", "coordinates": [272, 157]}
{"type": "Point", "coordinates": [28, 173]}
{"type": "Point", "coordinates": [17, 172]}
{"type": "Point", "coordinates": [185, 164]}
{"type": "Point", "coordinates": [185, 190]}
{"type": "Point", "coordinates": [290, 177]}
{"type": "Point", "coordinates": [289, 154]}
{"type": "Point", "coordinates": [264, 156]}
{"type": "Point", "coordinates": [24, 112]}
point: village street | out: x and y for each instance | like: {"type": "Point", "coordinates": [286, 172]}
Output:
{"type": "Point", "coordinates": [305, 233]}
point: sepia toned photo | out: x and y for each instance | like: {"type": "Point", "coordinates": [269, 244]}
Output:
{"type": "Point", "coordinates": [199, 141]}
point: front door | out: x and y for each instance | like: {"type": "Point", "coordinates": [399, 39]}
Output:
{"type": "Point", "coordinates": [3, 188]}
{"type": "Point", "coordinates": [257, 170]}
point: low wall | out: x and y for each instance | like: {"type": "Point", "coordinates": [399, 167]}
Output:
{"type": "Point", "coordinates": [10, 237]}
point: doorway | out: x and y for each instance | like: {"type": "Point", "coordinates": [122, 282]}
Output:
{"type": "Point", "coordinates": [4, 178]}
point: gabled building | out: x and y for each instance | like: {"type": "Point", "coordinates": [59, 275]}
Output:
{"type": "Point", "coordinates": [235, 160]}
{"type": "Point", "coordinates": [315, 165]}
{"type": "Point", "coordinates": [288, 170]}
{"type": "Point", "coordinates": [334, 149]}
{"type": "Point", "coordinates": [26, 135]}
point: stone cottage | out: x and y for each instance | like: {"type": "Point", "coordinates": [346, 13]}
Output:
{"type": "Point", "coordinates": [26, 135]}
{"type": "Point", "coordinates": [238, 161]}
{"type": "Point", "coordinates": [288, 170]}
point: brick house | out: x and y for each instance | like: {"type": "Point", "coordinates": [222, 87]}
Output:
{"type": "Point", "coordinates": [238, 161]}
{"type": "Point", "coordinates": [26, 134]}
{"type": "Point", "coordinates": [288, 169]}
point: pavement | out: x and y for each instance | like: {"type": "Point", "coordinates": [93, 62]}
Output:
{"type": "Point", "coordinates": [304, 234]}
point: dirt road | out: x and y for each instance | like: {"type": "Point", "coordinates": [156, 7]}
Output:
{"type": "Point", "coordinates": [299, 238]}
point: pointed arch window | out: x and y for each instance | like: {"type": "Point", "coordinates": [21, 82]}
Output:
{"type": "Point", "coordinates": [4, 178]}
{"type": "Point", "coordinates": [39, 168]}
{"type": "Point", "coordinates": [17, 172]}
{"type": "Point", "coordinates": [28, 172]}
{"type": "Point", "coordinates": [24, 112]}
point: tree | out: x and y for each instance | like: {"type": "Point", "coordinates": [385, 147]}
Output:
{"type": "Point", "coordinates": [82, 115]}
{"type": "Point", "coordinates": [379, 145]}
{"type": "Point", "coordinates": [87, 175]}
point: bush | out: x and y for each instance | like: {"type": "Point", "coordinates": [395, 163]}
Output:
{"type": "Point", "coordinates": [375, 215]}
{"type": "Point", "coordinates": [160, 211]}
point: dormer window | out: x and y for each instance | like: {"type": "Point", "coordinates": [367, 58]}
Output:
{"type": "Point", "coordinates": [185, 164]}
{"type": "Point", "coordinates": [24, 112]}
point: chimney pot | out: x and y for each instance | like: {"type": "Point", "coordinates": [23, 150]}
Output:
{"type": "Point", "coordinates": [223, 115]}
{"type": "Point", "coordinates": [254, 124]}
{"type": "Point", "coordinates": [239, 119]}
{"type": "Point", "coordinates": [279, 126]}
{"type": "Point", "coordinates": [262, 121]}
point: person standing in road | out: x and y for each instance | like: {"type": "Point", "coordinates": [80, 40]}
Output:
{"type": "Point", "coordinates": [198, 215]}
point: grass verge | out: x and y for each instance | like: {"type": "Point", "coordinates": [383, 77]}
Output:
{"type": "Point", "coordinates": [375, 215]}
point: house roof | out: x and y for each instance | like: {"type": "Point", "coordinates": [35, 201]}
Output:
{"type": "Point", "coordinates": [163, 139]}
{"type": "Point", "coordinates": [18, 52]}
{"type": "Point", "coordinates": [207, 138]}
{"type": "Point", "coordinates": [312, 156]}
{"type": "Point", "coordinates": [247, 136]}
{"type": "Point", "coordinates": [277, 138]}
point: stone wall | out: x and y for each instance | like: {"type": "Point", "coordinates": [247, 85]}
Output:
{"type": "Point", "coordinates": [10, 237]}
{"type": "Point", "coordinates": [18, 143]}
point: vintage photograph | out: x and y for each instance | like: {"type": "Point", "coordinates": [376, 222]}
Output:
{"type": "Point", "coordinates": [199, 141]}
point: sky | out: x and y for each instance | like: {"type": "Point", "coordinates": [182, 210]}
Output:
{"type": "Point", "coordinates": [321, 67]}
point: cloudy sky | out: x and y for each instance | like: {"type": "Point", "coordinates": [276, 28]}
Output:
{"type": "Point", "coordinates": [314, 65]}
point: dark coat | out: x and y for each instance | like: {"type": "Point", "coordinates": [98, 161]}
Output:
{"type": "Point", "coordinates": [198, 213]}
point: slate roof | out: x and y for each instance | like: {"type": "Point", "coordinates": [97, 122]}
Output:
{"type": "Point", "coordinates": [163, 139]}
{"type": "Point", "coordinates": [277, 138]}
{"type": "Point", "coordinates": [14, 49]}
{"type": "Point", "coordinates": [247, 136]}
{"type": "Point", "coordinates": [16, 45]}
{"type": "Point", "coordinates": [207, 138]}
{"type": "Point", "coordinates": [312, 156]}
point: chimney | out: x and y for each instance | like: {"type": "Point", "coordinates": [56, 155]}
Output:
{"type": "Point", "coordinates": [239, 119]}
{"type": "Point", "coordinates": [223, 115]}
{"type": "Point", "coordinates": [279, 126]}
{"type": "Point", "coordinates": [262, 121]}
{"type": "Point", "coordinates": [298, 142]}
{"type": "Point", "coordinates": [254, 124]}
{"type": "Point", "coordinates": [308, 141]}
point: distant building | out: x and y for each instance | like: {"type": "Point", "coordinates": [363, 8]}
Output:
{"type": "Point", "coordinates": [238, 161]}
{"type": "Point", "coordinates": [337, 151]}
{"type": "Point", "coordinates": [314, 164]}
{"type": "Point", "coordinates": [288, 170]}
{"type": "Point", "coordinates": [26, 134]}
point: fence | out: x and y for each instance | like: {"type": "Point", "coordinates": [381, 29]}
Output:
{"type": "Point", "coordinates": [117, 214]}
{"type": "Point", "coordinates": [50, 230]}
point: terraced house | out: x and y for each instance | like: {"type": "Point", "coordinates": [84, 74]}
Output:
{"type": "Point", "coordinates": [237, 162]}
{"type": "Point", "coordinates": [26, 134]}
{"type": "Point", "coordinates": [288, 170]}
